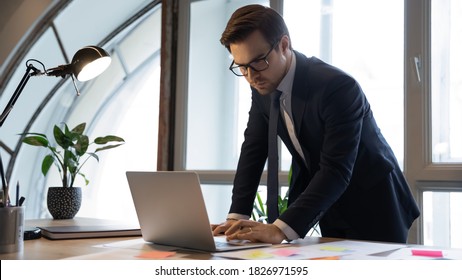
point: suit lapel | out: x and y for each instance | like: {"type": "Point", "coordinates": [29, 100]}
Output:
{"type": "Point", "coordinates": [299, 103]}
{"type": "Point", "coordinates": [299, 93]}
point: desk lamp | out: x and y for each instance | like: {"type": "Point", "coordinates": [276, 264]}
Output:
{"type": "Point", "coordinates": [87, 63]}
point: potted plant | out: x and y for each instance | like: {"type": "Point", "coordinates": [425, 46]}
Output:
{"type": "Point", "coordinates": [64, 202]}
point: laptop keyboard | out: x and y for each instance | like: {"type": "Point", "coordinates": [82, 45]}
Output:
{"type": "Point", "coordinates": [221, 244]}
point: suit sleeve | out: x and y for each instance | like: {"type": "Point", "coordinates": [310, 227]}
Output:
{"type": "Point", "coordinates": [252, 160]}
{"type": "Point", "coordinates": [339, 108]}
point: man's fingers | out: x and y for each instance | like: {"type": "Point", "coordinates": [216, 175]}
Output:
{"type": "Point", "coordinates": [242, 234]}
{"type": "Point", "coordinates": [222, 228]}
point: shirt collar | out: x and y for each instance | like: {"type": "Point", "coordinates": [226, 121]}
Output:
{"type": "Point", "coordinates": [285, 86]}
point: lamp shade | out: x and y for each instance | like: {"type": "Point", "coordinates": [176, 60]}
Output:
{"type": "Point", "coordinates": [89, 62]}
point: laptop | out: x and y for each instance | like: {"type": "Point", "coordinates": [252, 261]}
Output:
{"type": "Point", "coordinates": [171, 211]}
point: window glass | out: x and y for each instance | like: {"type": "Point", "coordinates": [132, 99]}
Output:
{"type": "Point", "coordinates": [217, 200]}
{"type": "Point", "coordinates": [137, 47]}
{"type": "Point", "coordinates": [442, 225]}
{"type": "Point", "coordinates": [331, 30]}
{"type": "Point", "coordinates": [37, 88]}
{"type": "Point", "coordinates": [446, 81]}
{"type": "Point", "coordinates": [130, 109]}
{"type": "Point", "coordinates": [132, 115]}
{"type": "Point", "coordinates": [124, 101]}
{"type": "Point", "coordinates": [27, 172]}
{"type": "Point", "coordinates": [218, 101]}
{"type": "Point", "coordinates": [367, 45]}
{"type": "Point", "coordinates": [88, 22]}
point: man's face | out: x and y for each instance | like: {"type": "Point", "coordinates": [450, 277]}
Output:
{"type": "Point", "coordinates": [255, 47]}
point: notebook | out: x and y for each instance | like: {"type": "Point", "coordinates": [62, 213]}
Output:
{"type": "Point", "coordinates": [71, 232]}
{"type": "Point", "coordinates": [82, 227]}
{"type": "Point", "coordinates": [171, 211]}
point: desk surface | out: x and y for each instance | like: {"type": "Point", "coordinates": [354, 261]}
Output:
{"type": "Point", "coordinates": [126, 248]}
{"type": "Point", "coordinates": [114, 248]}
{"type": "Point", "coordinates": [97, 248]}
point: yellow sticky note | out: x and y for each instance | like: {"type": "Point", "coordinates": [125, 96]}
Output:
{"type": "Point", "coordinates": [258, 254]}
{"type": "Point", "coordinates": [333, 249]}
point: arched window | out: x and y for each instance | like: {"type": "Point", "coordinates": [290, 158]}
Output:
{"type": "Point", "coordinates": [122, 101]}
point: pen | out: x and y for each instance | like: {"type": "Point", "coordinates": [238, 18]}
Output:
{"type": "Point", "coordinates": [21, 200]}
{"type": "Point", "coordinates": [17, 194]}
{"type": "Point", "coordinates": [4, 185]}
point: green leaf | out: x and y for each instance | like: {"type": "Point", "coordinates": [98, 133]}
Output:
{"type": "Point", "coordinates": [258, 210]}
{"type": "Point", "coordinates": [60, 137]}
{"type": "Point", "coordinates": [71, 160]}
{"type": "Point", "coordinates": [46, 164]}
{"type": "Point", "coordinates": [85, 178]}
{"type": "Point", "coordinates": [82, 144]}
{"type": "Point", "coordinates": [94, 155]}
{"type": "Point", "coordinates": [38, 140]}
{"type": "Point", "coordinates": [282, 203]}
{"type": "Point", "coordinates": [53, 149]}
{"type": "Point", "coordinates": [260, 202]}
{"type": "Point", "coordinates": [108, 138]}
{"type": "Point", "coordinates": [107, 147]}
{"type": "Point", "coordinates": [33, 133]}
{"type": "Point", "coordinates": [71, 146]}
{"type": "Point", "coordinates": [289, 177]}
{"type": "Point", "coordinates": [79, 129]}
{"type": "Point", "coordinates": [66, 130]}
{"type": "Point", "coordinates": [253, 215]}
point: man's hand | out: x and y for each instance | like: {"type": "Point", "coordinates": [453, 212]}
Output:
{"type": "Point", "coordinates": [223, 227]}
{"type": "Point", "coordinates": [249, 230]}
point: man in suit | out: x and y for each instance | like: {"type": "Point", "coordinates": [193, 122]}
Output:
{"type": "Point", "coordinates": [345, 175]}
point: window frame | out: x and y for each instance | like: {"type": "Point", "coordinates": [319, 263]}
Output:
{"type": "Point", "coordinates": [420, 171]}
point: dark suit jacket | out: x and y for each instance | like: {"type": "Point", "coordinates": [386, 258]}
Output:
{"type": "Point", "coordinates": [352, 182]}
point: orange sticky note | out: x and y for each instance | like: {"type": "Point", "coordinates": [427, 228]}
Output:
{"type": "Point", "coordinates": [155, 255]}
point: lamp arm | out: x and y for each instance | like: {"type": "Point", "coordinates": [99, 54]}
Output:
{"type": "Point", "coordinates": [30, 71]}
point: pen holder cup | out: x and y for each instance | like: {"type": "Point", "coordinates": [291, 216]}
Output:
{"type": "Point", "coordinates": [11, 229]}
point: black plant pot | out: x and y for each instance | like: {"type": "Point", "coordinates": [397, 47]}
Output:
{"type": "Point", "coordinates": [64, 203]}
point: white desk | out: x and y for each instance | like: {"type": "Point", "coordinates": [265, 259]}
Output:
{"type": "Point", "coordinates": [127, 248]}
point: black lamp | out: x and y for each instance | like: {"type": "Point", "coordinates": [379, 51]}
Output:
{"type": "Point", "coordinates": [87, 63]}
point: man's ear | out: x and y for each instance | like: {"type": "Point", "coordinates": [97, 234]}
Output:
{"type": "Point", "coordinates": [285, 43]}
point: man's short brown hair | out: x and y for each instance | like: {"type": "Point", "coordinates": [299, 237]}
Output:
{"type": "Point", "coordinates": [250, 18]}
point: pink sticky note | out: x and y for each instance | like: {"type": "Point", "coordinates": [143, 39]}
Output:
{"type": "Point", "coordinates": [427, 253]}
{"type": "Point", "coordinates": [285, 252]}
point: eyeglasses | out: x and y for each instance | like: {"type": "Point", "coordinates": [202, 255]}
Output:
{"type": "Point", "coordinates": [257, 65]}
